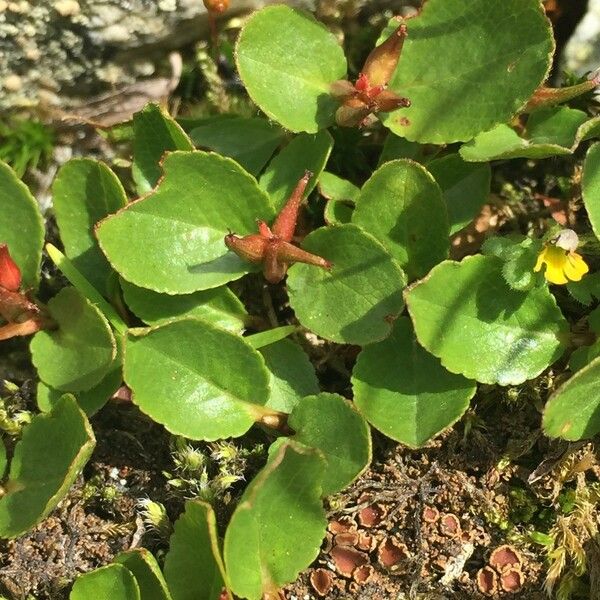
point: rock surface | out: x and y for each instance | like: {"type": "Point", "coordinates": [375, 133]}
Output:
{"type": "Point", "coordinates": [52, 51]}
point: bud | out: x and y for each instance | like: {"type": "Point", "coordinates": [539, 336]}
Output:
{"type": "Point", "coordinates": [10, 274]}
{"type": "Point", "coordinates": [251, 247]}
{"type": "Point", "coordinates": [567, 239]}
{"type": "Point", "coordinates": [216, 6]}
{"type": "Point", "coordinates": [546, 96]}
{"type": "Point", "coordinates": [285, 223]}
{"type": "Point", "coordinates": [383, 60]}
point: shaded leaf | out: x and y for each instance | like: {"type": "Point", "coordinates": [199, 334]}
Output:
{"type": "Point", "coordinates": [287, 62]}
{"type": "Point", "coordinates": [364, 280]}
{"type": "Point", "coordinates": [466, 315]}
{"type": "Point", "coordinates": [84, 192]}
{"type": "Point", "coordinates": [404, 391]}
{"type": "Point", "coordinates": [281, 506]}
{"type": "Point", "coordinates": [113, 581]}
{"type": "Point", "coordinates": [467, 66]}
{"type": "Point", "coordinates": [78, 355]}
{"type": "Point", "coordinates": [250, 141]}
{"type": "Point", "coordinates": [172, 240]}
{"type": "Point", "coordinates": [194, 568]}
{"type": "Point", "coordinates": [402, 206]}
{"type": "Point", "coordinates": [271, 336]}
{"type": "Point", "coordinates": [143, 566]}
{"type": "Point", "coordinates": [155, 133]}
{"type": "Point", "coordinates": [219, 306]}
{"type": "Point", "coordinates": [304, 153]}
{"type": "Point", "coordinates": [590, 186]}
{"type": "Point", "coordinates": [573, 410]}
{"type": "Point", "coordinates": [196, 379]}
{"type": "Point", "coordinates": [51, 453]}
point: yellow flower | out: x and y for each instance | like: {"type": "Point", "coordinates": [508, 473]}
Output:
{"type": "Point", "coordinates": [561, 265]}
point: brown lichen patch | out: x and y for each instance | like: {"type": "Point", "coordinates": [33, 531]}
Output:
{"type": "Point", "coordinates": [450, 525]}
{"type": "Point", "coordinates": [505, 557]}
{"type": "Point", "coordinates": [341, 525]}
{"type": "Point", "coordinates": [363, 574]}
{"type": "Point", "coordinates": [487, 581]}
{"type": "Point", "coordinates": [350, 538]}
{"type": "Point", "coordinates": [347, 559]}
{"type": "Point", "coordinates": [512, 580]}
{"type": "Point", "coordinates": [321, 581]}
{"type": "Point", "coordinates": [431, 514]}
{"type": "Point", "coordinates": [392, 553]}
{"type": "Point", "coordinates": [372, 515]}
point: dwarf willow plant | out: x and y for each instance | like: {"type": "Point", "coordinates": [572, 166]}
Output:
{"type": "Point", "coordinates": [376, 276]}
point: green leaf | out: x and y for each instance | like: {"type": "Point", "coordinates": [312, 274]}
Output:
{"type": "Point", "coordinates": [53, 450]}
{"type": "Point", "coordinates": [573, 410]}
{"type": "Point", "coordinates": [292, 375]}
{"type": "Point", "coordinates": [467, 66]}
{"type": "Point", "coordinates": [466, 315]}
{"type": "Point", "coordinates": [550, 132]}
{"type": "Point", "coordinates": [219, 306]}
{"type": "Point", "coordinates": [3, 459]}
{"type": "Point", "coordinates": [78, 355]}
{"type": "Point", "coordinates": [341, 196]}
{"type": "Point", "coordinates": [92, 400]}
{"type": "Point", "coordinates": [402, 206]}
{"type": "Point", "coordinates": [143, 566]}
{"type": "Point", "coordinates": [113, 581]}
{"type": "Point", "coordinates": [84, 192]}
{"type": "Point", "coordinates": [271, 336]}
{"type": "Point", "coordinates": [277, 528]}
{"type": "Point", "coordinates": [155, 133]}
{"type": "Point", "coordinates": [404, 391]}
{"type": "Point", "coordinates": [355, 302]}
{"type": "Point", "coordinates": [196, 379]}
{"type": "Point", "coordinates": [304, 153]}
{"type": "Point", "coordinates": [465, 188]}
{"type": "Point", "coordinates": [21, 226]}
{"type": "Point", "coordinates": [590, 186]}
{"type": "Point", "coordinates": [330, 423]}
{"type": "Point", "coordinates": [287, 62]}
{"type": "Point", "coordinates": [194, 568]}
{"type": "Point", "coordinates": [249, 141]}
{"type": "Point", "coordinates": [70, 271]}
{"type": "Point", "coordinates": [172, 240]}
{"type": "Point", "coordinates": [583, 356]}
{"type": "Point", "coordinates": [396, 147]}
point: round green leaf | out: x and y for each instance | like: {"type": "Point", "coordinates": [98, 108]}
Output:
{"type": "Point", "coordinates": [573, 410]}
{"type": "Point", "coordinates": [355, 302]}
{"type": "Point", "coordinates": [249, 141]}
{"type": "Point", "coordinates": [287, 62]}
{"type": "Point", "coordinates": [277, 528]}
{"type": "Point", "coordinates": [341, 196]}
{"type": "Point", "coordinates": [196, 379]}
{"type": "Point", "coordinates": [550, 132]}
{"type": "Point", "coordinates": [466, 315]}
{"type": "Point", "coordinates": [467, 66]}
{"type": "Point", "coordinates": [270, 336]}
{"type": "Point", "coordinates": [194, 568]}
{"type": "Point", "coordinates": [3, 459]}
{"type": "Point", "coordinates": [404, 391]}
{"type": "Point", "coordinates": [465, 188]}
{"type": "Point", "coordinates": [172, 239]}
{"type": "Point", "coordinates": [144, 567]}
{"type": "Point", "coordinates": [219, 306]}
{"type": "Point", "coordinates": [155, 133]}
{"type": "Point", "coordinates": [304, 153]}
{"type": "Point", "coordinates": [292, 375]}
{"type": "Point", "coordinates": [78, 355]}
{"type": "Point", "coordinates": [590, 187]}
{"type": "Point", "coordinates": [402, 206]}
{"type": "Point", "coordinates": [332, 424]}
{"type": "Point", "coordinates": [84, 192]}
{"type": "Point", "coordinates": [21, 226]}
{"type": "Point", "coordinates": [53, 450]}
{"type": "Point", "coordinates": [113, 581]}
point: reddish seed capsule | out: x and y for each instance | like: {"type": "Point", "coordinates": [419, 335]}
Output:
{"type": "Point", "coordinates": [10, 274]}
{"type": "Point", "coordinates": [216, 6]}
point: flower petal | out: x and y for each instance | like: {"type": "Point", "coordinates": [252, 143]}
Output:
{"type": "Point", "coordinates": [555, 274]}
{"type": "Point", "coordinates": [575, 267]}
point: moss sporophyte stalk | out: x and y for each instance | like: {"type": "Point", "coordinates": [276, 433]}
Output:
{"type": "Point", "coordinates": [562, 263]}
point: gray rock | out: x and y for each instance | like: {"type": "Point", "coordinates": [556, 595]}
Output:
{"type": "Point", "coordinates": [582, 52]}
{"type": "Point", "coordinates": [53, 51]}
